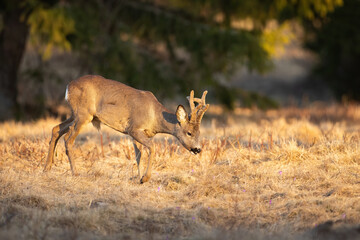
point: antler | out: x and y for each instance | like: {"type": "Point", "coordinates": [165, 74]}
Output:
{"type": "Point", "coordinates": [197, 112]}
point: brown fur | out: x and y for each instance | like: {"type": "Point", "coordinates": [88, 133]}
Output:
{"type": "Point", "coordinates": [128, 110]}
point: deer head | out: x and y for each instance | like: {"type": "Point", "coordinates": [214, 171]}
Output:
{"type": "Point", "coordinates": [188, 129]}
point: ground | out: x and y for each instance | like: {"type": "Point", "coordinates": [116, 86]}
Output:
{"type": "Point", "coordinates": [289, 174]}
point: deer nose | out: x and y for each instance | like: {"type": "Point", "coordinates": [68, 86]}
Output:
{"type": "Point", "coordinates": [196, 150]}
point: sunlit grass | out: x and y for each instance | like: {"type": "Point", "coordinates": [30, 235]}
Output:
{"type": "Point", "coordinates": [280, 172]}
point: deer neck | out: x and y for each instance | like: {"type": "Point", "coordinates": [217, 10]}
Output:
{"type": "Point", "coordinates": [167, 123]}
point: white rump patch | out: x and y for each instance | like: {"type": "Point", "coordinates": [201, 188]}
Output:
{"type": "Point", "coordinates": [66, 93]}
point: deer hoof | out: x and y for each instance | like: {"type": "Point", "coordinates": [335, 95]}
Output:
{"type": "Point", "coordinates": [47, 168]}
{"type": "Point", "coordinates": [144, 179]}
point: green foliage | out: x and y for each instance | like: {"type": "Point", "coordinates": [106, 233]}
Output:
{"type": "Point", "coordinates": [337, 43]}
{"type": "Point", "coordinates": [174, 46]}
{"type": "Point", "coordinates": [162, 48]}
{"type": "Point", "coordinates": [274, 39]}
{"type": "Point", "coordinates": [260, 11]}
{"type": "Point", "coordinates": [49, 28]}
{"type": "Point", "coordinates": [306, 9]}
{"type": "Point", "coordinates": [171, 46]}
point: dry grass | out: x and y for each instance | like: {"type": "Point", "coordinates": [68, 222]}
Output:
{"type": "Point", "coordinates": [261, 175]}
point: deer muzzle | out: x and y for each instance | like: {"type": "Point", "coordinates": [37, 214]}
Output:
{"type": "Point", "coordinates": [195, 150]}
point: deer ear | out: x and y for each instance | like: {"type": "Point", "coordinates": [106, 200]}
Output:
{"type": "Point", "coordinates": [181, 114]}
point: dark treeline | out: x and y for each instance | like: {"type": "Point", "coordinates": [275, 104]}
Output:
{"type": "Point", "coordinates": [170, 47]}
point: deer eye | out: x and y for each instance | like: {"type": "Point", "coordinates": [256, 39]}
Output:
{"type": "Point", "coordinates": [189, 134]}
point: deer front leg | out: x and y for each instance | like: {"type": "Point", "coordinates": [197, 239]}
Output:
{"type": "Point", "coordinates": [141, 137]}
{"type": "Point", "coordinates": [137, 155]}
{"type": "Point", "coordinates": [147, 173]}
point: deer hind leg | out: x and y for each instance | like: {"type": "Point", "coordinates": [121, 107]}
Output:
{"type": "Point", "coordinates": [141, 137]}
{"type": "Point", "coordinates": [57, 132]}
{"type": "Point", "coordinates": [69, 138]}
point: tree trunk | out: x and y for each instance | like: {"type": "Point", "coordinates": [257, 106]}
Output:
{"type": "Point", "coordinates": [12, 46]}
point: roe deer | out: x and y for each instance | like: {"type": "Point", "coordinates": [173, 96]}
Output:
{"type": "Point", "coordinates": [127, 110]}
